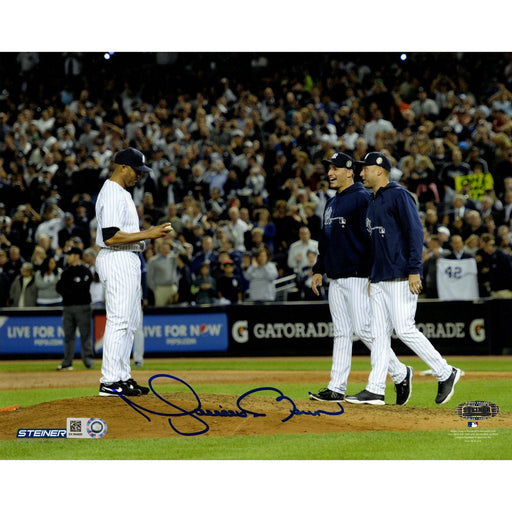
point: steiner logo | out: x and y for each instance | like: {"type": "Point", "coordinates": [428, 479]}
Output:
{"type": "Point", "coordinates": [41, 433]}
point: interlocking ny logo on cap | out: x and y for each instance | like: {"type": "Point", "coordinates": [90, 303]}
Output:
{"type": "Point", "coordinates": [379, 160]}
{"type": "Point", "coordinates": [348, 162]}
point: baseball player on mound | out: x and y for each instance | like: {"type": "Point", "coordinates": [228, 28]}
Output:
{"type": "Point", "coordinates": [344, 256]}
{"type": "Point", "coordinates": [119, 269]}
{"type": "Point", "coordinates": [396, 236]}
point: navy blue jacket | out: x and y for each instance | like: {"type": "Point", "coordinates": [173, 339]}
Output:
{"type": "Point", "coordinates": [396, 234]}
{"type": "Point", "coordinates": [344, 245]}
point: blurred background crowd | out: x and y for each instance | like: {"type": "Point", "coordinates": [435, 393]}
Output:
{"type": "Point", "coordinates": [235, 142]}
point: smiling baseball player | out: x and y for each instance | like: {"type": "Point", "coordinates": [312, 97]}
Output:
{"type": "Point", "coordinates": [396, 233]}
{"type": "Point", "coordinates": [119, 269]}
{"type": "Point", "coordinates": [344, 255]}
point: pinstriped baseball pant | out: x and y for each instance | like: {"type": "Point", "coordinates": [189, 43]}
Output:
{"type": "Point", "coordinates": [138, 343]}
{"type": "Point", "coordinates": [119, 271]}
{"type": "Point", "coordinates": [393, 306]}
{"type": "Point", "coordinates": [350, 311]}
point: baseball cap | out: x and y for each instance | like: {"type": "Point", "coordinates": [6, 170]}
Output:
{"type": "Point", "coordinates": [444, 230]}
{"type": "Point", "coordinates": [74, 250]}
{"type": "Point", "coordinates": [376, 158]}
{"type": "Point", "coordinates": [340, 160]}
{"type": "Point", "coordinates": [132, 157]}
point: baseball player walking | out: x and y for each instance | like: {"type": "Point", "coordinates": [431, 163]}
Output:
{"type": "Point", "coordinates": [119, 269]}
{"type": "Point", "coordinates": [344, 256]}
{"type": "Point", "coordinates": [396, 236]}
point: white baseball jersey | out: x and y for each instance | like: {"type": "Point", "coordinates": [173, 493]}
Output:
{"type": "Point", "coordinates": [120, 272]}
{"type": "Point", "coordinates": [457, 279]}
{"type": "Point", "coordinates": [115, 208]}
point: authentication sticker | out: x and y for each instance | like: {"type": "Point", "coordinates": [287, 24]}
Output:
{"type": "Point", "coordinates": [86, 428]}
{"type": "Point", "coordinates": [477, 410]}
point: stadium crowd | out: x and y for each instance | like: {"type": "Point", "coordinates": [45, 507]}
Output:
{"type": "Point", "coordinates": [235, 143]}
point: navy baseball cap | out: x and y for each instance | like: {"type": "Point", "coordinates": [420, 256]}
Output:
{"type": "Point", "coordinates": [376, 158]}
{"type": "Point", "coordinates": [340, 160]}
{"type": "Point", "coordinates": [74, 250]}
{"type": "Point", "coordinates": [133, 158]}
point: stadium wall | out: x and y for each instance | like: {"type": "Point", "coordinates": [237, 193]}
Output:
{"type": "Point", "coordinates": [262, 329]}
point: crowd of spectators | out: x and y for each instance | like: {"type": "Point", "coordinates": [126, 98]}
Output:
{"type": "Point", "coordinates": [236, 143]}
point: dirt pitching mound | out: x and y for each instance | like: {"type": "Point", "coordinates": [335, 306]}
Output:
{"type": "Point", "coordinates": [182, 414]}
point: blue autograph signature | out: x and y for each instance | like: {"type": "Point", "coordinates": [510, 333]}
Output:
{"type": "Point", "coordinates": [198, 413]}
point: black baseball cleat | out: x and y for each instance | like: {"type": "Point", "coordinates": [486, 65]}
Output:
{"type": "Point", "coordinates": [118, 388]}
{"type": "Point", "coordinates": [132, 384]}
{"type": "Point", "coordinates": [404, 388]}
{"type": "Point", "coordinates": [326, 395]}
{"type": "Point", "coordinates": [69, 367]}
{"type": "Point", "coordinates": [446, 387]}
{"type": "Point", "coordinates": [365, 397]}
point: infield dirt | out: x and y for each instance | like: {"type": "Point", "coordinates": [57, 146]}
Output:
{"type": "Point", "coordinates": [223, 415]}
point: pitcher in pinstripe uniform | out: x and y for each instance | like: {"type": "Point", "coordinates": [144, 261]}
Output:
{"type": "Point", "coordinates": [396, 234]}
{"type": "Point", "coordinates": [344, 256]}
{"type": "Point", "coordinates": [119, 269]}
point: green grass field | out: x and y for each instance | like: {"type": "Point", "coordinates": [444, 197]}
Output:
{"type": "Point", "coordinates": [419, 445]}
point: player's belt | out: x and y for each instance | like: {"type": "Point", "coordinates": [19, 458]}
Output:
{"type": "Point", "coordinates": [124, 247]}
{"type": "Point", "coordinates": [350, 274]}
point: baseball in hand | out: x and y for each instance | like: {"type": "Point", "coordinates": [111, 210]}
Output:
{"type": "Point", "coordinates": [168, 227]}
